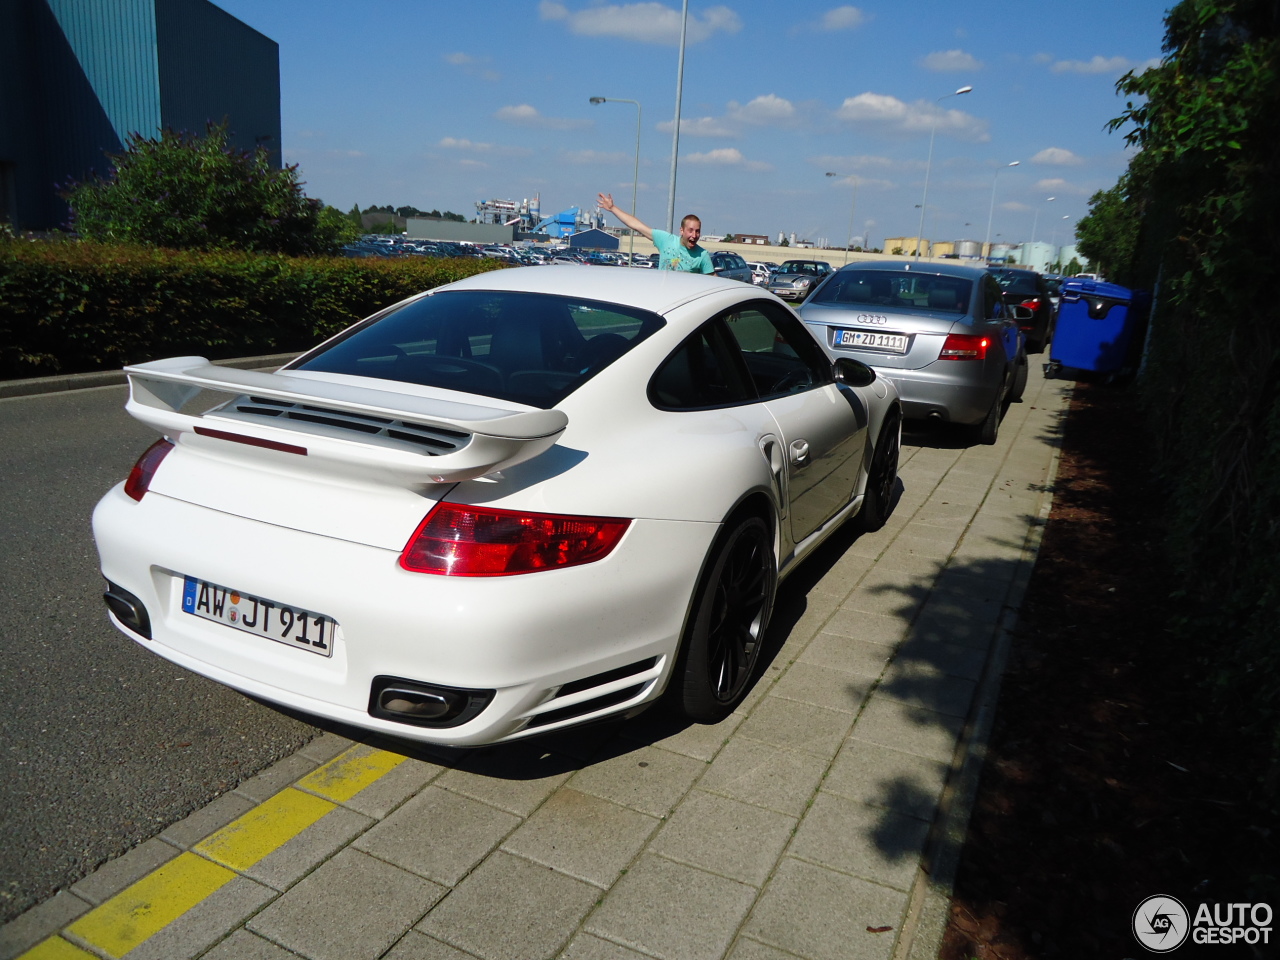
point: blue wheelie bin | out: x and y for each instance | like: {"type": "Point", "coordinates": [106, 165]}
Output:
{"type": "Point", "coordinates": [1095, 335]}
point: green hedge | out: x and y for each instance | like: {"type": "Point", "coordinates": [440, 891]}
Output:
{"type": "Point", "coordinates": [72, 307]}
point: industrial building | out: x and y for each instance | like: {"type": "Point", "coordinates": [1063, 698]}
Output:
{"type": "Point", "coordinates": [77, 77]}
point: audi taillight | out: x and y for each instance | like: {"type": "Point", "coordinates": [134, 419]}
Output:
{"type": "Point", "coordinates": [461, 541]}
{"type": "Point", "coordinates": [139, 480]}
{"type": "Point", "coordinates": [964, 346]}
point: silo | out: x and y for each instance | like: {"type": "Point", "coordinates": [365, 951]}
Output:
{"type": "Point", "coordinates": [1001, 252]}
{"type": "Point", "coordinates": [968, 249]}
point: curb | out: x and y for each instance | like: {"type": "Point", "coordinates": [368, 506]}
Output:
{"type": "Point", "coordinates": [111, 378]}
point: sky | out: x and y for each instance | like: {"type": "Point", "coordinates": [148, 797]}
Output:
{"type": "Point", "coordinates": [442, 105]}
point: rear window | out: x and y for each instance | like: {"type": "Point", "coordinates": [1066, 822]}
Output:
{"type": "Point", "coordinates": [1017, 282]}
{"type": "Point", "coordinates": [529, 348]}
{"type": "Point", "coordinates": [897, 290]}
{"type": "Point", "coordinates": [803, 267]}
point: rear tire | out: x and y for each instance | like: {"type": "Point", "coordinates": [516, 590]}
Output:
{"type": "Point", "coordinates": [988, 431]}
{"type": "Point", "coordinates": [1020, 371]}
{"type": "Point", "coordinates": [877, 500]}
{"type": "Point", "coordinates": [722, 641]}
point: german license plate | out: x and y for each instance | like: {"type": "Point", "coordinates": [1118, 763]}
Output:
{"type": "Point", "coordinates": [871, 340]}
{"type": "Point", "coordinates": [292, 626]}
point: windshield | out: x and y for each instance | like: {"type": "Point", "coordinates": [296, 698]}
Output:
{"type": "Point", "coordinates": [806, 267]}
{"type": "Point", "coordinates": [529, 348]}
{"type": "Point", "coordinates": [897, 290]}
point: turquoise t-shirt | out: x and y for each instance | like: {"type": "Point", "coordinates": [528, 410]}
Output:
{"type": "Point", "coordinates": [674, 255]}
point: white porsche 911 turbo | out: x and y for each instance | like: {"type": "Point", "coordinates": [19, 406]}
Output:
{"type": "Point", "coordinates": [525, 500]}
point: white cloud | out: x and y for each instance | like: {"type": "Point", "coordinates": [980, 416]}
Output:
{"type": "Point", "coordinates": [455, 143]}
{"type": "Point", "coordinates": [1101, 65]}
{"type": "Point", "coordinates": [700, 127]}
{"type": "Point", "coordinates": [842, 18]}
{"type": "Point", "coordinates": [951, 61]}
{"type": "Point", "coordinates": [726, 157]}
{"type": "Point", "coordinates": [894, 116]}
{"type": "Point", "coordinates": [525, 115]}
{"type": "Point", "coordinates": [766, 110]}
{"type": "Point", "coordinates": [594, 157]}
{"type": "Point", "coordinates": [1057, 156]}
{"type": "Point", "coordinates": [643, 22]}
{"type": "Point", "coordinates": [1058, 185]}
{"type": "Point", "coordinates": [472, 66]}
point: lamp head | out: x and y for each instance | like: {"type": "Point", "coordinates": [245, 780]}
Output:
{"type": "Point", "coordinates": [1014, 163]}
{"type": "Point", "coordinates": [599, 99]}
{"type": "Point", "coordinates": [964, 90]}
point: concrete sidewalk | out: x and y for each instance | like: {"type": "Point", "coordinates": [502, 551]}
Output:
{"type": "Point", "coordinates": [821, 821]}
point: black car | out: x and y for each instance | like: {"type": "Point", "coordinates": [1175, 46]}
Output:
{"type": "Point", "coordinates": [731, 265]}
{"type": "Point", "coordinates": [1027, 288]}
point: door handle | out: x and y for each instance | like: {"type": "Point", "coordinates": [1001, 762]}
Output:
{"type": "Point", "coordinates": [800, 452]}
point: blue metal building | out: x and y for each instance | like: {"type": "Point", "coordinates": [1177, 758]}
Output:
{"type": "Point", "coordinates": [77, 77]}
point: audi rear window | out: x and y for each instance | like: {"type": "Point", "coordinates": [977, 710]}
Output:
{"type": "Point", "coordinates": [897, 290]}
{"type": "Point", "coordinates": [528, 348]}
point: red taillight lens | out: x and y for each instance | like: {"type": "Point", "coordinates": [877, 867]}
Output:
{"type": "Point", "coordinates": [461, 541]}
{"type": "Point", "coordinates": [1031, 304]}
{"type": "Point", "coordinates": [964, 346]}
{"type": "Point", "coordinates": [140, 476]}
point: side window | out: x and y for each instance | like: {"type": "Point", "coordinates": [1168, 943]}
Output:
{"type": "Point", "coordinates": [703, 372]}
{"type": "Point", "coordinates": [779, 353]}
{"type": "Point", "coordinates": [993, 294]}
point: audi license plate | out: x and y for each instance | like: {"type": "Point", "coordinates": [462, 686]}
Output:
{"type": "Point", "coordinates": [888, 342]}
{"type": "Point", "coordinates": [292, 626]}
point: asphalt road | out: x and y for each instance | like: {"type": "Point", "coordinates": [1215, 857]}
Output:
{"type": "Point", "coordinates": [103, 743]}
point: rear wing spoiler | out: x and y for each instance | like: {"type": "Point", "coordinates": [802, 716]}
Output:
{"type": "Point", "coordinates": [406, 438]}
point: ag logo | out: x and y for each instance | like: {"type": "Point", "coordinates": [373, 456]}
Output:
{"type": "Point", "coordinates": [1161, 924]}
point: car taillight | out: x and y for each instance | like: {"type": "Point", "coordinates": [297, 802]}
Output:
{"type": "Point", "coordinates": [965, 346]}
{"type": "Point", "coordinates": [461, 541]}
{"type": "Point", "coordinates": [140, 476]}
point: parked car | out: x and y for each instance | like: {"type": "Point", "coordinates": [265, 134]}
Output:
{"type": "Point", "coordinates": [944, 334]}
{"type": "Point", "coordinates": [761, 271]}
{"type": "Point", "coordinates": [1030, 289]}
{"type": "Point", "coordinates": [730, 265]}
{"type": "Point", "coordinates": [796, 279]}
{"type": "Point", "coordinates": [525, 500]}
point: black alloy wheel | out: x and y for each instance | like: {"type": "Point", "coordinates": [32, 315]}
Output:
{"type": "Point", "coordinates": [726, 630]}
{"type": "Point", "coordinates": [988, 431]}
{"type": "Point", "coordinates": [1020, 370]}
{"type": "Point", "coordinates": [877, 501]}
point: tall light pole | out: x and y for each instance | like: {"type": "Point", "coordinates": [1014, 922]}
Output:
{"type": "Point", "coordinates": [992, 212]}
{"type": "Point", "coordinates": [852, 207]}
{"type": "Point", "coordinates": [1035, 222]}
{"type": "Point", "coordinates": [1053, 242]}
{"type": "Point", "coordinates": [675, 136]}
{"type": "Point", "coordinates": [635, 184]}
{"type": "Point", "coordinates": [928, 165]}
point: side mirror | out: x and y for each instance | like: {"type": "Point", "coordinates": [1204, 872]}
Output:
{"type": "Point", "coordinates": [853, 373]}
{"type": "Point", "coordinates": [1022, 314]}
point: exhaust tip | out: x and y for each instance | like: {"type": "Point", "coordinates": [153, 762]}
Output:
{"type": "Point", "coordinates": [128, 609]}
{"type": "Point", "coordinates": [425, 704]}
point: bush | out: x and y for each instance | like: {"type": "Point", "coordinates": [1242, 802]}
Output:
{"type": "Point", "coordinates": [73, 307]}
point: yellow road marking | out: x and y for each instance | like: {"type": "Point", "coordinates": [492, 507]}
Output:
{"type": "Point", "coordinates": [144, 909]}
{"type": "Point", "coordinates": [55, 948]}
{"type": "Point", "coordinates": [265, 828]}
{"type": "Point", "coordinates": [350, 772]}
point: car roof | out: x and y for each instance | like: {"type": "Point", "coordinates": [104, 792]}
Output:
{"type": "Point", "coordinates": [912, 266]}
{"type": "Point", "coordinates": [655, 290]}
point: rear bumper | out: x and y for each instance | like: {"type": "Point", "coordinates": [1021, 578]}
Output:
{"type": "Point", "coordinates": [523, 636]}
{"type": "Point", "coordinates": [933, 393]}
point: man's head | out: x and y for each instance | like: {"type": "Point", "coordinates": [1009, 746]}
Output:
{"type": "Point", "coordinates": [690, 230]}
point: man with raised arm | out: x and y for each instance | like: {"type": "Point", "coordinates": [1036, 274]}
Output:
{"type": "Point", "coordinates": [674, 252]}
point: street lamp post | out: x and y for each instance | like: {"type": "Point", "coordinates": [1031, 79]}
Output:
{"type": "Point", "coordinates": [1053, 241]}
{"type": "Point", "coordinates": [1035, 221]}
{"type": "Point", "coordinates": [992, 211]}
{"type": "Point", "coordinates": [928, 165]}
{"type": "Point", "coordinates": [635, 183]}
{"type": "Point", "coordinates": [852, 207]}
{"type": "Point", "coordinates": [675, 136]}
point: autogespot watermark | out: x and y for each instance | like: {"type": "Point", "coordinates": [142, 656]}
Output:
{"type": "Point", "coordinates": [1162, 924]}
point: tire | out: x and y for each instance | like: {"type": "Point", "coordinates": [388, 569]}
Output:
{"type": "Point", "coordinates": [877, 501]}
{"type": "Point", "coordinates": [1020, 371]}
{"type": "Point", "coordinates": [722, 640]}
{"type": "Point", "coordinates": [988, 431]}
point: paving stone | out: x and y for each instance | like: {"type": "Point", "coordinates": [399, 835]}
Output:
{"type": "Point", "coordinates": [513, 777]}
{"type": "Point", "coordinates": [724, 836]}
{"type": "Point", "coordinates": [797, 726]}
{"type": "Point", "coordinates": [583, 836]}
{"type": "Point", "coordinates": [920, 685]}
{"type": "Point", "coordinates": [243, 945]}
{"type": "Point", "coordinates": [511, 909]}
{"type": "Point", "coordinates": [879, 776]}
{"type": "Point", "coordinates": [39, 923]}
{"type": "Point", "coordinates": [848, 654]}
{"type": "Point", "coordinates": [972, 633]}
{"type": "Point", "coordinates": [190, 830]}
{"type": "Point", "coordinates": [746, 949]}
{"type": "Point", "coordinates": [208, 922]}
{"type": "Point", "coordinates": [869, 842]}
{"type": "Point", "coordinates": [276, 777]}
{"type": "Point", "coordinates": [702, 741]}
{"type": "Point", "coordinates": [586, 946]}
{"type": "Point", "coordinates": [766, 776]}
{"type": "Point", "coordinates": [819, 914]}
{"type": "Point", "coordinates": [438, 834]}
{"type": "Point", "coordinates": [861, 625]}
{"type": "Point", "coordinates": [418, 946]}
{"type": "Point", "coordinates": [888, 594]}
{"type": "Point", "coordinates": [925, 733]}
{"type": "Point", "coordinates": [672, 911]}
{"type": "Point", "coordinates": [823, 687]}
{"type": "Point", "coordinates": [114, 875]}
{"type": "Point", "coordinates": [916, 558]}
{"type": "Point", "coordinates": [353, 907]}
{"type": "Point", "coordinates": [393, 788]}
{"type": "Point", "coordinates": [294, 859]}
{"type": "Point", "coordinates": [325, 747]}
{"type": "Point", "coordinates": [647, 779]}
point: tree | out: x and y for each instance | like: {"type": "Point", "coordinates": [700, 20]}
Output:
{"type": "Point", "coordinates": [1073, 268]}
{"type": "Point", "coordinates": [191, 192]}
{"type": "Point", "coordinates": [1108, 233]}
